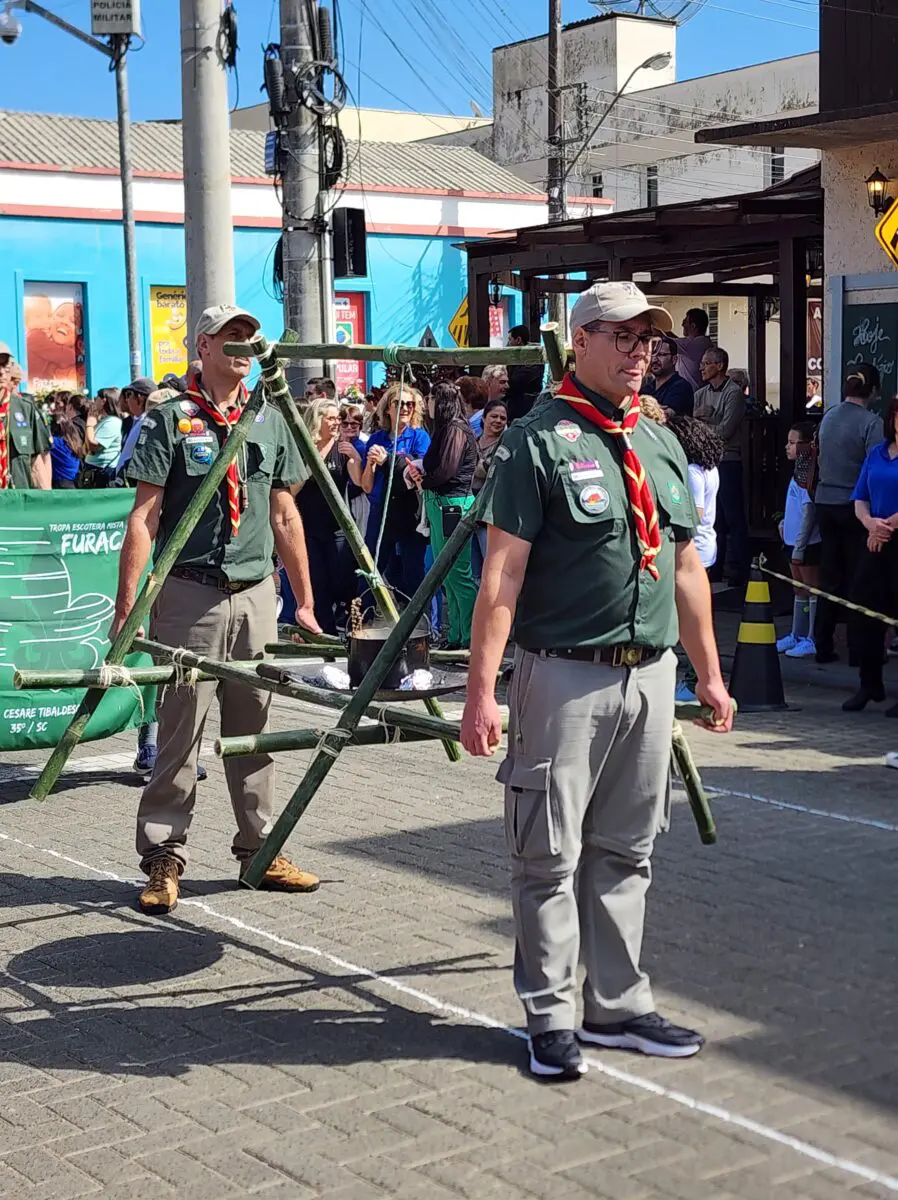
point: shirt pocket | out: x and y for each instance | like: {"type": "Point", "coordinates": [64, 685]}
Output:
{"type": "Point", "coordinates": [590, 511]}
{"type": "Point", "coordinates": [675, 515]}
{"type": "Point", "coordinates": [259, 463]}
{"type": "Point", "coordinates": [199, 454]}
{"type": "Point", "coordinates": [532, 825]}
{"type": "Point", "coordinates": [22, 438]}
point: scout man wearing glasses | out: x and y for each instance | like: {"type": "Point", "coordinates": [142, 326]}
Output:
{"type": "Point", "coordinates": [590, 524]}
{"type": "Point", "coordinates": [219, 599]}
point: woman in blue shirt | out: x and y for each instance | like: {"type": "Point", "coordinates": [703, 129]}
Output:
{"type": "Point", "coordinates": [875, 499]}
{"type": "Point", "coordinates": [402, 550]}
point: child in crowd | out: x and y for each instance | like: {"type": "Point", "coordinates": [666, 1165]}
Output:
{"type": "Point", "coordinates": [801, 535]}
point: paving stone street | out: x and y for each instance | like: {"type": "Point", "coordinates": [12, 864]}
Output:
{"type": "Point", "coordinates": [364, 1041]}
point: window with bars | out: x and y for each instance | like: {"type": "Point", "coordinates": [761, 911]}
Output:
{"type": "Point", "coordinates": [651, 187]}
{"type": "Point", "coordinates": [598, 186]}
{"type": "Point", "coordinates": [774, 166]}
{"type": "Point", "coordinates": [712, 308]}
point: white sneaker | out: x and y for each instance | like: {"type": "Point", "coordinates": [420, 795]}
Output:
{"type": "Point", "coordinates": [789, 642]}
{"type": "Point", "coordinates": [804, 648]}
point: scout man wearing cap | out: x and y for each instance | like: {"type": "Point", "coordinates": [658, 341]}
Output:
{"type": "Point", "coordinates": [219, 599]}
{"type": "Point", "coordinates": [24, 438]}
{"type": "Point", "coordinates": [590, 524]}
{"type": "Point", "coordinates": [134, 399]}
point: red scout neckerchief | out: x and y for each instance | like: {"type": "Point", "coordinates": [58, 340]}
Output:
{"type": "Point", "coordinates": [227, 420]}
{"type": "Point", "coordinates": [4, 438]}
{"type": "Point", "coordinates": [642, 503]}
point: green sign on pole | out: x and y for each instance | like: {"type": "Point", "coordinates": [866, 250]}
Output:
{"type": "Point", "coordinates": [59, 555]}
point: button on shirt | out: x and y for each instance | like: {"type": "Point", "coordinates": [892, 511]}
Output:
{"type": "Point", "coordinates": [27, 438]}
{"type": "Point", "coordinates": [878, 482]}
{"type": "Point", "coordinates": [556, 481]}
{"type": "Point", "coordinates": [171, 457]}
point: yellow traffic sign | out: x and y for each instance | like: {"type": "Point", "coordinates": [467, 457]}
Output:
{"type": "Point", "coordinates": [459, 326]}
{"type": "Point", "coordinates": [887, 232]}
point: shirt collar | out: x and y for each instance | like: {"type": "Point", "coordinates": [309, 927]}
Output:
{"type": "Point", "coordinates": [597, 400]}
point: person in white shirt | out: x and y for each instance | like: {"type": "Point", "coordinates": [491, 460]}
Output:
{"type": "Point", "coordinates": [704, 451]}
{"type": "Point", "coordinates": [801, 536]}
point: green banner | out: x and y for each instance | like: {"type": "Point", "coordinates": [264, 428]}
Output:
{"type": "Point", "coordinates": [59, 555]}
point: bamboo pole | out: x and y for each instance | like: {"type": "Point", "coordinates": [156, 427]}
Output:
{"type": "Point", "coordinates": [556, 352]}
{"type": "Point", "coordinates": [309, 739]}
{"type": "Point", "coordinates": [297, 634]}
{"type": "Point", "coordinates": [425, 356]}
{"type": "Point", "coordinates": [142, 676]}
{"type": "Point", "coordinates": [327, 651]}
{"type": "Point", "coordinates": [692, 782]}
{"type": "Point", "coordinates": [164, 562]}
{"type": "Point", "coordinates": [346, 725]}
{"type": "Point", "coordinates": [273, 374]}
{"type": "Point", "coordinates": [267, 677]}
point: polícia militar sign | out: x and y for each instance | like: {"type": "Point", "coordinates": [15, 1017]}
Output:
{"type": "Point", "coordinates": [59, 554]}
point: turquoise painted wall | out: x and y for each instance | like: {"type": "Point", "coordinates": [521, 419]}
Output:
{"type": "Point", "coordinates": [412, 282]}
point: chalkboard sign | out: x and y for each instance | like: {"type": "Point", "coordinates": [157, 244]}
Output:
{"type": "Point", "coordinates": [870, 334]}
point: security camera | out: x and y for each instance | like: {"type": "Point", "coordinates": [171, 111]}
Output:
{"type": "Point", "coordinates": [10, 28]}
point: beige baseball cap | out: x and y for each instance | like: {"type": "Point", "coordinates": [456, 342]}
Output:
{"type": "Point", "coordinates": [213, 320]}
{"type": "Point", "coordinates": [617, 302]}
{"type": "Point", "coordinates": [4, 349]}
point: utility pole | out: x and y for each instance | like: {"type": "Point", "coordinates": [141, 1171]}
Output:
{"type": "Point", "coordinates": [302, 259]}
{"type": "Point", "coordinates": [116, 51]}
{"type": "Point", "coordinates": [555, 138]}
{"type": "Point", "coordinates": [119, 46]}
{"type": "Point", "coordinates": [208, 225]}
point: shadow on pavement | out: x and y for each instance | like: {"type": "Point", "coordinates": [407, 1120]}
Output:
{"type": "Point", "coordinates": [114, 1002]}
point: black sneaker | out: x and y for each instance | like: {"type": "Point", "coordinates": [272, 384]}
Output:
{"type": "Point", "coordinates": [556, 1055]}
{"type": "Point", "coordinates": [651, 1034]}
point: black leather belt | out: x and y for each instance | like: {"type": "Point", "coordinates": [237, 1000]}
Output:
{"type": "Point", "coordinates": [215, 581]}
{"type": "Point", "coordinates": [611, 656]}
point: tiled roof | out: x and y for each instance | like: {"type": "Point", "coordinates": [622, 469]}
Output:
{"type": "Point", "coordinates": [42, 139]}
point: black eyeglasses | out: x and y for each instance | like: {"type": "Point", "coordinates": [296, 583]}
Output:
{"type": "Point", "coordinates": [626, 341]}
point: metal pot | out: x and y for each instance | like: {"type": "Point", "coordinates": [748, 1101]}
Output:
{"type": "Point", "coordinates": [365, 645]}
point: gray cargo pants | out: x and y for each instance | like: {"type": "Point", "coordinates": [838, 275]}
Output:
{"type": "Point", "coordinates": [222, 626]}
{"type": "Point", "coordinates": [587, 782]}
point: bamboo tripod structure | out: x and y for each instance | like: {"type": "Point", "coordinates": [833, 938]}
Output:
{"type": "Point", "coordinates": [395, 723]}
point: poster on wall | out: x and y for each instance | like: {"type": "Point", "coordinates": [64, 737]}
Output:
{"type": "Point", "coordinates": [59, 557]}
{"type": "Point", "coordinates": [168, 330]}
{"type": "Point", "coordinates": [349, 318]}
{"type": "Point", "coordinates": [54, 337]}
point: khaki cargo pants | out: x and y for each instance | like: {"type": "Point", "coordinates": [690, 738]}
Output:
{"type": "Point", "coordinates": [586, 791]}
{"type": "Point", "coordinates": [223, 626]}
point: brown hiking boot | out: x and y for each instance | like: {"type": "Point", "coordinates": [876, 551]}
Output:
{"type": "Point", "coordinates": [161, 893]}
{"type": "Point", "coordinates": [284, 876]}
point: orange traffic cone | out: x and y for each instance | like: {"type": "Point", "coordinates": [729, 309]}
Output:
{"type": "Point", "coordinates": [756, 683]}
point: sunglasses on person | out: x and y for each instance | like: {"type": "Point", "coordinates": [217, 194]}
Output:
{"type": "Point", "coordinates": [351, 422]}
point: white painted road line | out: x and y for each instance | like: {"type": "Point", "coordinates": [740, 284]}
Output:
{"type": "Point", "coordinates": [714, 1111]}
{"type": "Point", "coordinates": [845, 818]}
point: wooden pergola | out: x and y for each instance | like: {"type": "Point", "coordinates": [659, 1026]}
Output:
{"type": "Point", "coordinates": [757, 244]}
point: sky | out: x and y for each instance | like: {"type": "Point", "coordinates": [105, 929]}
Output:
{"type": "Point", "coordinates": [427, 55]}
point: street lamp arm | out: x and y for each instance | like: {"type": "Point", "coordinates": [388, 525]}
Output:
{"type": "Point", "coordinates": [584, 145]}
{"type": "Point", "coordinates": [39, 11]}
{"type": "Point", "coordinates": [655, 63]}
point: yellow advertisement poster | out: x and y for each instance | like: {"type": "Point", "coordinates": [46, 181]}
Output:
{"type": "Point", "coordinates": [168, 329]}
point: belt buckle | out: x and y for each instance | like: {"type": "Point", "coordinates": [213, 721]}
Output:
{"type": "Point", "coordinates": [626, 656]}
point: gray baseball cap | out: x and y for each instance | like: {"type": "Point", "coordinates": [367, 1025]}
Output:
{"type": "Point", "coordinates": [617, 302]}
{"type": "Point", "coordinates": [213, 320]}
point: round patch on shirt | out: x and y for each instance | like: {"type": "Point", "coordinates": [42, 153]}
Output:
{"type": "Point", "coordinates": [594, 499]}
{"type": "Point", "coordinates": [569, 430]}
{"type": "Point", "coordinates": [197, 426]}
{"type": "Point", "coordinates": [184, 426]}
{"type": "Point", "coordinates": [188, 407]}
{"type": "Point", "coordinates": [676, 492]}
{"type": "Point", "coordinates": [201, 454]}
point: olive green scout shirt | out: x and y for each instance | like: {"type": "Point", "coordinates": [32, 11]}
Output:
{"type": "Point", "coordinates": [27, 438]}
{"type": "Point", "coordinates": [170, 456]}
{"type": "Point", "coordinates": [556, 481]}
